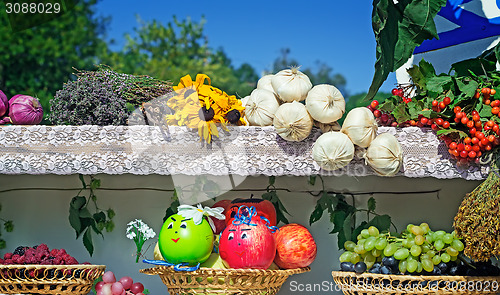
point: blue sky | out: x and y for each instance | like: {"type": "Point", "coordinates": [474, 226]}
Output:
{"type": "Point", "coordinates": [338, 33]}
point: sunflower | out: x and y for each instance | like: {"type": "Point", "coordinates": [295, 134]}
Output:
{"type": "Point", "coordinates": [202, 106]}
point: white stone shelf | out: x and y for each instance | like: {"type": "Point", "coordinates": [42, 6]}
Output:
{"type": "Point", "coordinates": [244, 151]}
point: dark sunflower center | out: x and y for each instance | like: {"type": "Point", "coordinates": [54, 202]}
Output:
{"type": "Point", "coordinates": [206, 114]}
{"type": "Point", "coordinates": [233, 116]}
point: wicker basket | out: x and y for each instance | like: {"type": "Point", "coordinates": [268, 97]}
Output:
{"type": "Point", "coordinates": [367, 283]}
{"type": "Point", "coordinates": [49, 279]}
{"type": "Point", "coordinates": [223, 281]}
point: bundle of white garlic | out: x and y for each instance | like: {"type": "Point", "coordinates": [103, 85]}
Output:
{"type": "Point", "coordinates": [292, 121]}
{"type": "Point", "coordinates": [291, 85]}
{"type": "Point", "coordinates": [261, 107]}
{"type": "Point", "coordinates": [360, 126]}
{"type": "Point", "coordinates": [333, 150]}
{"type": "Point", "coordinates": [265, 83]}
{"type": "Point", "coordinates": [325, 103]}
{"type": "Point", "coordinates": [384, 155]}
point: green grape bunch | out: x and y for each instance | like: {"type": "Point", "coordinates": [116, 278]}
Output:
{"type": "Point", "coordinates": [417, 250]}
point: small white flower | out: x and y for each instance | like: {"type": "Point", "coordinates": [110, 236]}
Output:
{"type": "Point", "coordinates": [197, 213]}
{"type": "Point", "coordinates": [131, 235]}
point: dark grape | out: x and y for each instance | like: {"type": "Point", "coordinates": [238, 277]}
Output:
{"type": "Point", "coordinates": [443, 267]}
{"type": "Point", "coordinates": [360, 267]}
{"type": "Point", "coordinates": [389, 261]}
{"type": "Point", "coordinates": [347, 266]}
{"type": "Point", "coordinates": [453, 271]}
{"type": "Point", "coordinates": [385, 270]}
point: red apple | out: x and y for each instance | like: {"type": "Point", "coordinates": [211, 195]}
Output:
{"type": "Point", "coordinates": [220, 224]}
{"type": "Point", "coordinates": [264, 208]}
{"type": "Point", "coordinates": [247, 246]}
{"type": "Point", "coordinates": [295, 246]}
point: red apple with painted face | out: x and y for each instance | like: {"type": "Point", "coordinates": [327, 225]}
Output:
{"type": "Point", "coordinates": [295, 246]}
{"type": "Point", "coordinates": [247, 246]}
{"type": "Point", "coordinates": [264, 208]}
{"type": "Point", "coordinates": [220, 224]}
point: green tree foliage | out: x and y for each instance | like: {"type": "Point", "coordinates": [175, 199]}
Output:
{"type": "Point", "coordinates": [320, 74]}
{"type": "Point", "coordinates": [171, 51]}
{"type": "Point", "coordinates": [38, 60]}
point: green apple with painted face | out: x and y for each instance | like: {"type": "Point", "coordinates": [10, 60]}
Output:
{"type": "Point", "coordinates": [181, 240]}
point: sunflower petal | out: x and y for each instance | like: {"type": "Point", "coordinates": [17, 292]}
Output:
{"type": "Point", "coordinates": [213, 129]}
{"type": "Point", "coordinates": [200, 79]}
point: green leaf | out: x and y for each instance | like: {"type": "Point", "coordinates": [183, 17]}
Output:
{"type": "Point", "coordinates": [74, 220]}
{"type": "Point", "coordinates": [414, 108]}
{"type": "Point", "coordinates": [3, 244]}
{"type": "Point", "coordinates": [467, 87]}
{"type": "Point", "coordinates": [77, 202]}
{"type": "Point", "coordinates": [99, 217]}
{"type": "Point", "coordinates": [372, 204]}
{"type": "Point", "coordinates": [400, 113]}
{"type": "Point", "coordinates": [9, 226]}
{"type": "Point", "coordinates": [111, 213]}
{"type": "Point", "coordinates": [337, 218]}
{"type": "Point", "coordinates": [341, 239]}
{"type": "Point", "coordinates": [312, 179]}
{"type": "Point", "coordinates": [485, 111]}
{"type": "Point", "coordinates": [398, 29]}
{"type": "Point", "coordinates": [477, 66]}
{"type": "Point", "coordinates": [87, 241]}
{"type": "Point", "coordinates": [316, 214]}
{"type": "Point", "coordinates": [347, 227]}
{"type": "Point", "coordinates": [95, 184]}
{"type": "Point", "coordinates": [388, 106]}
{"type": "Point", "coordinates": [110, 225]}
{"type": "Point", "coordinates": [422, 73]}
{"type": "Point", "coordinates": [438, 84]}
{"type": "Point", "coordinates": [382, 222]}
{"type": "Point", "coordinates": [84, 185]}
{"type": "Point", "coordinates": [460, 133]}
{"type": "Point", "coordinates": [85, 213]}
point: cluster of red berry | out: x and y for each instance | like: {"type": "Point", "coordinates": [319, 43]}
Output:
{"type": "Point", "coordinates": [483, 135]}
{"type": "Point", "coordinates": [38, 255]}
{"type": "Point", "coordinates": [401, 93]}
{"type": "Point", "coordinates": [383, 118]}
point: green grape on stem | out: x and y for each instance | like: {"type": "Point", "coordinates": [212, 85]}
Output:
{"type": "Point", "coordinates": [436, 259]}
{"type": "Point", "coordinates": [427, 265]}
{"type": "Point", "coordinates": [415, 250]}
{"type": "Point", "coordinates": [439, 245]}
{"type": "Point", "coordinates": [448, 238]}
{"type": "Point", "coordinates": [402, 266]}
{"type": "Point", "coordinates": [346, 256]}
{"type": "Point", "coordinates": [401, 254]}
{"type": "Point", "coordinates": [377, 252]}
{"type": "Point", "coordinates": [373, 231]}
{"type": "Point", "coordinates": [355, 258]}
{"type": "Point", "coordinates": [390, 250]}
{"type": "Point", "coordinates": [412, 265]}
{"type": "Point", "coordinates": [365, 233]}
{"type": "Point", "coordinates": [417, 230]}
{"type": "Point", "coordinates": [419, 240]}
{"type": "Point", "coordinates": [451, 251]}
{"type": "Point", "coordinates": [349, 245]}
{"type": "Point", "coordinates": [381, 243]}
{"type": "Point", "coordinates": [457, 244]}
{"type": "Point", "coordinates": [445, 257]}
{"type": "Point", "coordinates": [370, 243]}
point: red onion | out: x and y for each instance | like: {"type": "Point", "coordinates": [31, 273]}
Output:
{"type": "Point", "coordinates": [4, 103]}
{"type": "Point", "coordinates": [25, 110]}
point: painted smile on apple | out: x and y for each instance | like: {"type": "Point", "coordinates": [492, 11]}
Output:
{"type": "Point", "coordinates": [239, 253]}
{"type": "Point", "coordinates": [175, 240]}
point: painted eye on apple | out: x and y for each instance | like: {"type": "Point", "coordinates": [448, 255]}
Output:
{"type": "Point", "coordinates": [230, 236]}
{"type": "Point", "coordinates": [243, 236]}
{"type": "Point", "coordinates": [170, 225]}
{"type": "Point", "coordinates": [183, 224]}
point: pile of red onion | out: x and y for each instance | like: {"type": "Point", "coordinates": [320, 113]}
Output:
{"type": "Point", "coordinates": [20, 110]}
